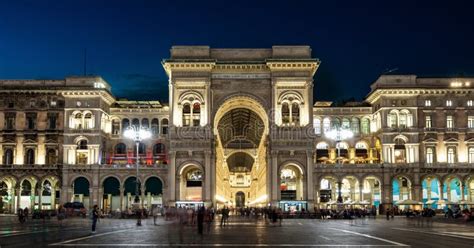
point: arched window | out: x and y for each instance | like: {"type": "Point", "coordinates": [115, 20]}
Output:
{"type": "Point", "coordinates": [186, 115]}
{"type": "Point", "coordinates": [285, 113]}
{"type": "Point", "coordinates": [336, 123]}
{"type": "Point", "coordinates": [115, 127]}
{"type": "Point", "coordinates": [30, 156]}
{"type": "Point", "coordinates": [365, 126]}
{"type": "Point", "coordinates": [355, 125]}
{"type": "Point", "coordinates": [295, 113]}
{"type": "Point", "coordinates": [145, 123]}
{"type": "Point", "coordinates": [361, 150]}
{"type": "Point", "coordinates": [158, 149]}
{"type": "Point", "coordinates": [8, 156]}
{"type": "Point", "coordinates": [322, 152]}
{"type": "Point", "coordinates": [400, 151]}
{"type": "Point", "coordinates": [120, 149]}
{"type": "Point", "coordinates": [451, 154]}
{"type": "Point", "coordinates": [82, 145]}
{"type": "Point", "coordinates": [429, 155]}
{"type": "Point", "coordinates": [343, 150]}
{"type": "Point", "coordinates": [317, 125]}
{"type": "Point", "coordinates": [77, 122]}
{"type": "Point", "coordinates": [125, 124]}
{"type": "Point", "coordinates": [51, 157]}
{"type": "Point", "coordinates": [136, 122]}
{"type": "Point", "coordinates": [164, 126]}
{"type": "Point", "coordinates": [393, 119]}
{"type": "Point", "coordinates": [155, 126]}
{"type": "Point", "coordinates": [326, 124]}
{"type": "Point", "coordinates": [346, 124]}
{"type": "Point", "coordinates": [88, 121]}
{"type": "Point", "coordinates": [196, 114]}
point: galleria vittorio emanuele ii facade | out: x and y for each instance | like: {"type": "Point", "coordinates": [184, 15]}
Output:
{"type": "Point", "coordinates": [241, 129]}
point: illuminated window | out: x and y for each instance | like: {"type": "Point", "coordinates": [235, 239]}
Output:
{"type": "Point", "coordinates": [365, 126]}
{"type": "Point", "coordinates": [317, 125]}
{"type": "Point", "coordinates": [427, 103]}
{"type": "Point", "coordinates": [428, 123]}
{"type": "Point", "coordinates": [346, 124]}
{"type": "Point", "coordinates": [451, 154]}
{"type": "Point", "coordinates": [449, 103]}
{"type": "Point", "coordinates": [355, 125]}
{"type": "Point", "coordinates": [429, 155]}
{"type": "Point", "coordinates": [326, 124]}
{"type": "Point", "coordinates": [449, 121]}
{"type": "Point", "coordinates": [469, 103]}
{"type": "Point", "coordinates": [470, 121]}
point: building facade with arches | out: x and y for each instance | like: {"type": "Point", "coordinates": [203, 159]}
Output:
{"type": "Point", "coordinates": [241, 129]}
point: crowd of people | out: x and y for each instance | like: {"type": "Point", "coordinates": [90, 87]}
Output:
{"type": "Point", "coordinates": [203, 217]}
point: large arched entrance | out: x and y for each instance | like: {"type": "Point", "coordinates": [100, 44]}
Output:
{"type": "Point", "coordinates": [111, 198]}
{"type": "Point", "coordinates": [81, 191]}
{"type": "Point", "coordinates": [241, 126]}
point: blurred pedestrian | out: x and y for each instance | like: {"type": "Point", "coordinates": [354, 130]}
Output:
{"type": "Point", "coordinates": [95, 217]}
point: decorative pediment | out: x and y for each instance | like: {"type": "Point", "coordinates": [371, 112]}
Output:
{"type": "Point", "coordinates": [451, 140]}
{"type": "Point", "coordinates": [470, 140]}
{"type": "Point", "coordinates": [430, 140]}
{"type": "Point", "coordinates": [29, 141]}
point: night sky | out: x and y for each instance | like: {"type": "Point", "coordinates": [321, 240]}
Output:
{"type": "Point", "coordinates": [126, 40]}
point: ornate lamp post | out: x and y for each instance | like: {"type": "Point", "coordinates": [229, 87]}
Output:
{"type": "Point", "coordinates": [339, 134]}
{"type": "Point", "coordinates": [137, 134]}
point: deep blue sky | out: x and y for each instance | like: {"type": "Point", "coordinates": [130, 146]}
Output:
{"type": "Point", "coordinates": [126, 40]}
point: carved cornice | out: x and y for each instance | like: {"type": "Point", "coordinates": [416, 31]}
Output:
{"type": "Point", "coordinates": [375, 95]}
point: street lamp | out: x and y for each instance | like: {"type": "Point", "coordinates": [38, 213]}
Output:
{"type": "Point", "coordinates": [137, 134]}
{"type": "Point", "coordinates": [339, 134]}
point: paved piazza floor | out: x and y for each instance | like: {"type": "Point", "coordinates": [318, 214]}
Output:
{"type": "Point", "coordinates": [240, 232]}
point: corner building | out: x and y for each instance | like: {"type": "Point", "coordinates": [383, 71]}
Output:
{"type": "Point", "coordinates": [240, 129]}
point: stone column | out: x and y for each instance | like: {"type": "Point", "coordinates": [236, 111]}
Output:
{"type": "Point", "coordinates": [18, 196]}
{"type": "Point", "coordinates": [448, 192]}
{"type": "Point", "coordinates": [428, 190]}
{"type": "Point", "coordinates": [32, 198]}
{"type": "Point", "coordinates": [207, 183]}
{"type": "Point", "coordinates": [172, 179]}
{"type": "Point", "coordinates": [462, 187]}
{"type": "Point", "coordinates": [274, 169]}
{"type": "Point", "coordinates": [122, 190]}
{"type": "Point", "coordinates": [441, 190]}
{"type": "Point", "coordinates": [309, 179]}
{"type": "Point", "coordinates": [40, 200]}
{"type": "Point", "coordinates": [361, 193]}
{"type": "Point", "coordinates": [53, 197]}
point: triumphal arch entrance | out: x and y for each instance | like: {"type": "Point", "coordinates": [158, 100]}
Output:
{"type": "Point", "coordinates": [241, 132]}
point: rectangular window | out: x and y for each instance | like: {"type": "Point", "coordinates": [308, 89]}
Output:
{"type": "Point", "coordinates": [451, 155]}
{"type": "Point", "coordinates": [471, 155]}
{"type": "Point", "coordinates": [469, 103]}
{"type": "Point", "coordinates": [428, 123]}
{"type": "Point", "coordinates": [317, 126]}
{"type": "Point", "coordinates": [427, 103]}
{"type": "Point", "coordinates": [10, 122]}
{"type": "Point", "coordinates": [470, 122]}
{"type": "Point", "coordinates": [52, 122]}
{"type": "Point", "coordinates": [429, 155]}
{"type": "Point", "coordinates": [449, 103]}
{"type": "Point", "coordinates": [449, 121]}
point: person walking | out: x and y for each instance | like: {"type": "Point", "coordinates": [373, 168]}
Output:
{"type": "Point", "coordinates": [95, 217]}
{"type": "Point", "coordinates": [200, 219]}
{"type": "Point", "coordinates": [388, 213]}
{"type": "Point", "coordinates": [155, 212]}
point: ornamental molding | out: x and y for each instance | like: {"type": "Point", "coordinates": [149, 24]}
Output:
{"type": "Point", "coordinates": [375, 95]}
{"type": "Point", "coordinates": [187, 66]}
{"type": "Point", "coordinates": [294, 66]}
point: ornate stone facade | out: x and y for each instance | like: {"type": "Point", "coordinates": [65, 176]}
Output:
{"type": "Point", "coordinates": [241, 128]}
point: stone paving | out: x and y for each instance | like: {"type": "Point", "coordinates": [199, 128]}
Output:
{"type": "Point", "coordinates": [240, 232]}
